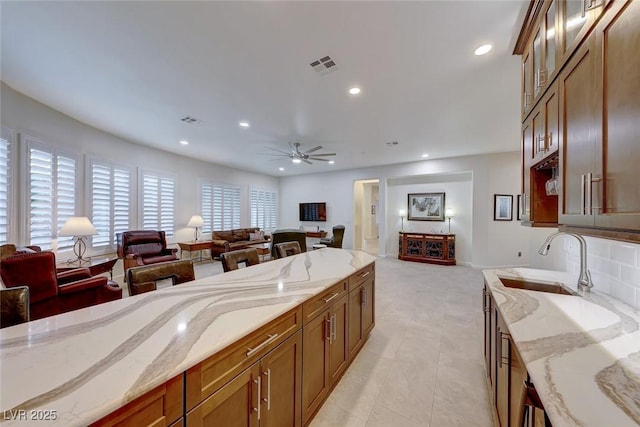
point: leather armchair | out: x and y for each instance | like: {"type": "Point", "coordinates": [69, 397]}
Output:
{"type": "Point", "coordinates": [143, 247]}
{"type": "Point", "coordinates": [50, 295]}
{"type": "Point", "coordinates": [336, 240]}
{"type": "Point", "coordinates": [288, 235]}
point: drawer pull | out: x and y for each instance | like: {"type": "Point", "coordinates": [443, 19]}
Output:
{"type": "Point", "coordinates": [269, 340]}
{"type": "Point", "coordinates": [331, 298]}
{"type": "Point", "coordinates": [362, 276]}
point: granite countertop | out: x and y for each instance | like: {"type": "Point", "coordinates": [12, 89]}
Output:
{"type": "Point", "coordinates": [87, 363]}
{"type": "Point", "coordinates": [582, 351]}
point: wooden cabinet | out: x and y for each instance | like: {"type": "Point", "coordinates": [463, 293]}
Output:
{"type": "Point", "coordinates": [161, 406]}
{"type": "Point", "coordinates": [325, 355]}
{"type": "Point", "coordinates": [426, 247]}
{"type": "Point", "coordinates": [265, 394]}
{"type": "Point", "coordinates": [506, 373]}
{"type": "Point", "coordinates": [361, 309]}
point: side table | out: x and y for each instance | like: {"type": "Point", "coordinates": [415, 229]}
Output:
{"type": "Point", "coordinates": [195, 245]}
{"type": "Point", "coordinates": [95, 265]}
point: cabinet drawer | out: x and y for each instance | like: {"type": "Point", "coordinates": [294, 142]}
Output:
{"type": "Point", "coordinates": [159, 407]}
{"type": "Point", "coordinates": [207, 377]}
{"type": "Point", "coordinates": [317, 304]}
{"type": "Point", "coordinates": [359, 277]}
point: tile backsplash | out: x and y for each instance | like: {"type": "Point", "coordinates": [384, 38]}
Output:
{"type": "Point", "coordinates": [614, 266]}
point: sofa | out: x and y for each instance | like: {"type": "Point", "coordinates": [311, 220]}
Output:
{"type": "Point", "coordinates": [231, 240]}
{"type": "Point", "coordinates": [287, 235]}
{"type": "Point", "coordinates": [143, 247]}
{"type": "Point", "coordinates": [51, 293]}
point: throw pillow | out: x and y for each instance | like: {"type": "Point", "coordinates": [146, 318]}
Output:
{"type": "Point", "coordinates": [258, 235]}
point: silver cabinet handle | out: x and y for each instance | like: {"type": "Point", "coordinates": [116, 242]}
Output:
{"type": "Point", "coordinates": [256, 408]}
{"type": "Point", "coordinates": [589, 177]}
{"type": "Point", "coordinates": [269, 340]}
{"type": "Point", "coordinates": [328, 327]}
{"type": "Point", "coordinates": [267, 399]}
{"type": "Point", "coordinates": [331, 298]}
{"type": "Point", "coordinates": [590, 181]}
{"type": "Point", "coordinates": [334, 330]}
{"type": "Point", "coordinates": [582, 196]}
{"type": "Point", "coordinates": [362, 276]}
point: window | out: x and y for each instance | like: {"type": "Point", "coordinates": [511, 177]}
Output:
{"type": "Point", "coordinates": [158, 202]}
{"type": "Point", "coordinates": [110, 200]}
{"type": "Point", "coordinates": [220, 206]}
{"type": "Point", "coordinates": [6, 169]}
{"type": "Point", "coordinates": [264, 208]}
{"type": "Point", "coordinates": [51, 188]}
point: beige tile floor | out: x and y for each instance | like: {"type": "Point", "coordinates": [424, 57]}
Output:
{"type": "Point", "coordinates": [423, 363]}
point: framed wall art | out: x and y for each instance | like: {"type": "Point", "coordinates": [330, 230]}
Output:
{"type": "Point", "coordinates": [502, 207]}
{"type": "Point", "coordinates": [425, 207]}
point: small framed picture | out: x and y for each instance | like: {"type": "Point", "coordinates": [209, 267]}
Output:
{"type": "Point", "coordinates": [502, 207]}
{"type": "Point", "coordinates": [425, 207]}
{"type": "Point", "coordinates": [519, 208]}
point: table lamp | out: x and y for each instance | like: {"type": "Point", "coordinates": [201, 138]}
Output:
{"type": "Point", "coordinates": [79, 227]}
{"type": "Point", "coordinates": [402, 214]}
{"type": "Point", "coordinates": [196, 222]}
{"type": "Point", "coordinates": [449, 214]}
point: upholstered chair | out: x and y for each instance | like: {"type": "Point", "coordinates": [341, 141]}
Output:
{"type": "Point", "coordinates": [287, 249]}
{"type": "Point", "coordinates": [14, 306]}
{"type": "Point", "coordinates": [143, 247]}
{"type": "Point", "coordinates": [336, 240]}
{"type": "Point", "coordinates": [145, 278]}
{"type": "Point", "coordinates": [51, 293]}
{"type": "Point", "coordinates": [289, 235]}
{"type": "Point", "coordinates": [230, 260]}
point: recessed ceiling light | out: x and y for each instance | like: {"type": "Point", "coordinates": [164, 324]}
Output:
{"type": "Point", "coordinates": [183, 142]}
{"type": "Point", "coordinates": [331, 162]}
{"type": "Point", "coordinates": [354, 90]}
{"type": "Point", "coordinates": [244, 124]}
{"type": "Point", "coordinates": [280, 169]}
{"type": "Point", "coordinates": [484, 49]}
{"type": "Point", "coordinates": [425, 155]}
{"type": "Point", "coordinates": [296, 161]}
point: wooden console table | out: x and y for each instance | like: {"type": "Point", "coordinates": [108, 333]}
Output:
{"type": "Point", "coordinates": [95, 265]}
{"type": "Point", "coordinates": [426, 247]}
{"type": "Point", "coordinates": [320, 234]}
{"type": "Point", "coordinates": [195, 245]}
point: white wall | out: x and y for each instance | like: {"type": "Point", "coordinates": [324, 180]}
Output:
{"type": "Point", "coordinates": [492, 243]}
{"type": "Point", "coordinates": [23, 114]}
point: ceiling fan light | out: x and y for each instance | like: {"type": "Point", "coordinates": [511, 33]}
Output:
{"type": "Point", "coordinates": [296, 160]}
{"type": "Point", "coordinates": [354, 90]}
{"type": "Point", "coordinates": [331, 162]}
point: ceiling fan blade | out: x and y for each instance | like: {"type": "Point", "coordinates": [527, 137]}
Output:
{"type": "Point", "coordinates": [279, 151]}
{"type": "Point", "coordinates": [274, 154]}
{"type": "Point", "coordinates": [318, 158]}
{"type": "Point", "coordinates": [319, 147]}
{"type": "Point", "coordinates": [307, 161]}
{"type": "Point", "coordinates": [324, 154]}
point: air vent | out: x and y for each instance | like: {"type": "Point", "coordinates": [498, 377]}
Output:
{"type": "Point", "coordinates": [392, 143]}
{"type": "Point", "coordinates": [324, 65]}
{"type": "Point", "coordinates": [189, 120]}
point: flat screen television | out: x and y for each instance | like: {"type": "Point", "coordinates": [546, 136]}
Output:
{"type": "Point", "coordinates": [316, 211]}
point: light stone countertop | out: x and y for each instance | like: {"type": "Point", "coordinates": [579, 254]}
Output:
{"type": "Point", "coordinates": [87, 363]}
{"type": "Point", "coordinates": [582, 352]}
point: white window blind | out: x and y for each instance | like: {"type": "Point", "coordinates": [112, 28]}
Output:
{"type": "Point", "coordinates": [52, 195]}
{"type": "Point", "coordinates": [263, 205]}
{"type": "Point", "coordinates": [5, 188]}
{"type": "Point", "coordinates": [110, 201]}
{"type": "Point", "coordinates": [158, 203]}
{"type": "Point", "coordinates": [220, 206]}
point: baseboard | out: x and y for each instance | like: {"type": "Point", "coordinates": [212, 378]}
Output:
{"type": "Point", "coordinates": [497, 267]}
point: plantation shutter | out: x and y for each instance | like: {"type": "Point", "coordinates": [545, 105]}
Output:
{"type": "Point", "coordinates": [158, 205]}
{"type": "Point", "coordinates": [5, 188]}
{"type": "Point", "coordinates": [263, 205]}
{"type": "Point", "coordinates": [110, 201]}
{"type": "Point", "coordinates": [225, 206]}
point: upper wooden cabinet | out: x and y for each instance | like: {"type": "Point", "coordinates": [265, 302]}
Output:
{"type": "Point", "coordinates": [581, 103]}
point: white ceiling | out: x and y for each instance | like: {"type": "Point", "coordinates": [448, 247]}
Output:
{"type": "Point", "coordinates": [134, 69]}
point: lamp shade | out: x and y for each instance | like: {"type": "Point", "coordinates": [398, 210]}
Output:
{"type": "Point", "coordinates": [78, 226]}
{"type": "Point", "coordinates": [448, 213]}
{"type": "Point", "coordinates": [196, 221]}
{"type": "Point", "coordinates": [402, 212]}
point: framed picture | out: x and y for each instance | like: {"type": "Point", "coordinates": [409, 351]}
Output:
{"type": "Point", "coordinates": [425, 207]}
{"type": "Point", "coordinates": [519, 208]}
{"type": "Point", "coordinates": [502, 207]}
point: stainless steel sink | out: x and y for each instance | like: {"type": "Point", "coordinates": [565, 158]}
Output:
{"type": "Point", "coordinates": [536, 286]}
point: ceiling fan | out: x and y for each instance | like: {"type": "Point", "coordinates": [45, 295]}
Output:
{"type": "Point", "coordinates": [298, 156]}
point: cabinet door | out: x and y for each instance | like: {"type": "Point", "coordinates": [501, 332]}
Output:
{"type": "Point", "coordinates": [517, 392]}
{"type": "Point", "coordinates": [527, 153]}
{"type": "Point", "coordinates": [619, 43]}
{"type": "Point", "coordinates": [315, 365]}
{"type": "Point", "coordinates": [281, 372]}
{"type": "Point", "coordinates": [502, 370]}
{"type": "Point", "coordinates": [338, 345]}
{"type": "Point", "coordinates": [488, 332]}
{"type": "Point", "coordinates": [538, 83]}
{"type": "Point", "coordinates": [578, 132]}
{"type": "Point", "coordinates": [550, 41]}
{"type": "Point", "coordinates": [369, 307]}
{"type": "Point", "coordinates": [527, 83]}
{"type": "Point", "coordinates": [356, 301]}
{"type": "Point", "coordinates": [234, 405]}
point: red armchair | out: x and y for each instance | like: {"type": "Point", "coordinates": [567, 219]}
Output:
{"type": "Point", "coordinates": [143, 247]}
{"type": "Point", "coordinates": [51, 294]}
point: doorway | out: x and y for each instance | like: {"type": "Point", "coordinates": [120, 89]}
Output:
{"type": "Point", "coordinates": [366, 215]}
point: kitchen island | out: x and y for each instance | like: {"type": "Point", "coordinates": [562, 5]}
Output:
{"type": "Point", "coordinates": [79, 367]}
{"type": "Point", "coordinates": [581, 350]}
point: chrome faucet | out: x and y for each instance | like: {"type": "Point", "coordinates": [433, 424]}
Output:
{"type": "Point", "coordinates": [584, 281]}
